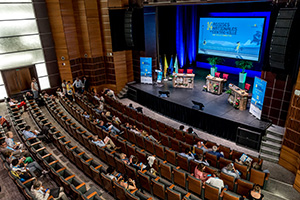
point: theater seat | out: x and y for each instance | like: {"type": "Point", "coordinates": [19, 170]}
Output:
{"type": "Point", "coordinates": [227, 195]}
{"type": "Point", "coordinates": [145, 181]}
{"type": "Point", "coordinates": [174, 195]}
{"type": "Point", "coordinates": [179, 178]}
{"type": "Point", "coordinates": [158, 189]}
{"type": "Point", "coordinates": [194, 185]}
{"type": "Point", "coordinates": [259, 177]}
{"type": "Point", "coordinates": [243, 187]}
{"type": "Point", "coordinates": [120, 191]}
{"type": "Point", "coordinates": [171, 156]}
{"type": "Point", "coordinates": [228, 180]}
{"type": "Point", "coordinates": [211, 192]}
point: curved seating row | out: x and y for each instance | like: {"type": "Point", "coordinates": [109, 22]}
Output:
{"type": "Point", "coordinates": [255, 176]}
{"type": "Point", "coordinates": [168, 174]}
{"type": "Point", "coordinates": [87, 165]}
{"type": "Point", "coordinates": [74, 188]}
{"type": "Point", "coordinates": [18, 124]}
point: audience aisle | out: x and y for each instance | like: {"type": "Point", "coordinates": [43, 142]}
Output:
{"type": "Point", "coordinates": [66, 161]}
{"type": "Point", "coordinates": [281, 180]}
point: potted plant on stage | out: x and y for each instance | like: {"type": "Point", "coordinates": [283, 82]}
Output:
{"type": "Point", "coordinates": [243, 64]}
{"type": "Point", "coordinates": [213, 61]}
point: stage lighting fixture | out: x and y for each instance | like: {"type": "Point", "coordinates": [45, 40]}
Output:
{"type": "Point", "coordinates": [164, 93]}
{"type": "Point", "coordinates": [197, 105]}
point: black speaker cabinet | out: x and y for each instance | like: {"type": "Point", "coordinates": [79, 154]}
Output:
{"type": "Point", "coordinates": [285, 40]}
{"type": "Point", "coordinates": [128, 28]}
{"type": "Point", "coordinates": [248, 138]}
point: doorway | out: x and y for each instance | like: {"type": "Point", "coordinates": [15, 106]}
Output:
{"type": "Point", "coordinates": [17, 81]}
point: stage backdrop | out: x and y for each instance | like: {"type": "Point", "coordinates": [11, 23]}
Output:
{"type": "Point", "coordinates": [258, 95]}
{"type": "Point", "coordinates": [146, 70]}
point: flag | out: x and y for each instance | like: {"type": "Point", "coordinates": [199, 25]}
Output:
{"type": "Point", "coordinates": [171, 65]}
{"type": "Point", "coordinates": [176, 65]}
{"type": "Point", "coordinates": [165, 67]}
{"type": "Point", "coordinates": [160, 63]}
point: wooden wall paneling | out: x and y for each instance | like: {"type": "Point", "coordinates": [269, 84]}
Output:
{"type": "Point", "coordinates": [120, 69]}
{"type": "Point", "coordinates": [129, 65]}
{"type": "Point", "coordinates": [57, 29]}
{"type": "Point", "coordinates": [297, 181]}
{"type": "Point", "coordinates": [81, 27]}
{"type": "Point", "coordinates": [289, 159]}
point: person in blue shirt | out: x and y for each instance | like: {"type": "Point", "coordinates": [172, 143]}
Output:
{"type": "Point", "coordinates": [86, 115]}
{"type": "Point", "coordinates": [188, 154]}
{"type": "Point", "coordinates": [29, 134]}
{"type": "Point", "coordinates": [215, 152]}
{"type": "Point", "coordinates": [109, 127]}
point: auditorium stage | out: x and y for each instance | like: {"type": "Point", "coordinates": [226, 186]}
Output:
{"type": "Point", "coordinates": [218, 117]}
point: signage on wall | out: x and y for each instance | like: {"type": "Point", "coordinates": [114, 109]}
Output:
{"type": "Point", "coordinates": [146, 69]}
{"type": "Point", "coordinates": [258, 95]}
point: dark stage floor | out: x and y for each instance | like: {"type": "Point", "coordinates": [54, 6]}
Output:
{"type": "Point", "coordinates": [215, 105]}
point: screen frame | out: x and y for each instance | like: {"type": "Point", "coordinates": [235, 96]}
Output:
{"type": "Point", "coordinates": [236, 17]}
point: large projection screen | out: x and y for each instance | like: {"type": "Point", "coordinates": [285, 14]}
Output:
{"type": "Point", "coordinates": [238, 38]}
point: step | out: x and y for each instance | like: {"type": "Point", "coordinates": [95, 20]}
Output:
{"type": "Point", "coordinates": [272, 138]}
{"type": "Point", "coordinates": [270, 158]}
{"type": "Point", "coordinates": [270, 151]}
{"type": "Point", "coordinates": [271, 144]}
{"type": "Point", "coordinates": [124, 90]}
{"type": "Point", "coordinates": [276, 131]}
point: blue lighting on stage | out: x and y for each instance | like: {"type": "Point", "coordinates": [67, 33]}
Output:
{"type": "Point", "coordinates": [186, 23]}
{"type": "Point", "coordinates": [179, 36]}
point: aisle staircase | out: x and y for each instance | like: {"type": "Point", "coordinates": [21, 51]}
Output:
{"type": "Point", "coordinates": [271, 144]}
{"type": "Point", "coordinates": [123, 93]}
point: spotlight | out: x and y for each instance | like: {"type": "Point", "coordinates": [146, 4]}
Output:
{"type": "Point", "coordinates": [197, 105]}
{"type": "Point", "coordinates": [164, 93]}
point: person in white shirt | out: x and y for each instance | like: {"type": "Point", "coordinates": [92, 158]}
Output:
{"type": "Point", "coordinates": [41, 193]}
{"type": "Point", "coordinates": [10, 141]}
{"type": "Point", "coordinates": [216, 181]}
{"type": "Point", "coordinates": [78, 85]}
{"type": "Point", "coordinates": [64, 87]}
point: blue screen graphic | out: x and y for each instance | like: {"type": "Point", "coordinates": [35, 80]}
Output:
{"type": "Point", "coordinates": [238, 38]}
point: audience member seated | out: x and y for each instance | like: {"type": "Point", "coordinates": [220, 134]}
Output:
{"type": "Point", "coordinates": [108, 127]}
{"type": "Point", "coordinates": [201, 160]}
{"type": "Point", "coordinates": [106, 142]}
{"type": "Point", "coordinates": [13, 102]}
{"type": "Point", "coordinates": [10, 141]}
{"type": "Point", "coordinates": [255, 193]}
{"type": "Point", "coordinates": [116, 120]}
{"type": "Point", "coordinates": [111, 173]}
{"type": "Point", "coordinates": [59, 92]}
{"type": "Point", "coordinates": [245, 160]}
{"type": "Point", "coordinates": [135, 163]}
{"type": "Point", "coordinates": [202, 146]}
{"type": "Point", "coordinates": [41, 193]}
{"type": "Point", "coordinates": [216, 181]}
{"type": "Point", "coordinates": [22, 176]}
{"type": "Point", "coordinates": [230, 170]}
{"type": "Point", "coordinates": [124, 158]}
{"type": "Point", "coordinates": [181, 127]}
{"type": "Point", "coordinates": [188, 154]}
{"type": "Point", "coordinates": [191, 131]}
{"type": "Point", "coordinates": [108, 115]}
{"type": "Point", "coordinates": [127, 183]}
{"type": "Point", "coordinates": [16, 153]}
{"type": "Point", "coordinates": [29, 134]}
{"type": "Point", "coordinates": [215, 152]}
{"type": "Point", "coordinates": [109, 92]}
{"type": "Point", "coordinates": [4, 121]}
{"type": "Point", "coordinates": [85, 114]}
{"type": "Point", "coordinates": [199, 172]}
{"type": "Point", "coordinates": [100, 108]}
{"type": "Point", "coordinates": [131, 106]}
{"type": "Point", "coordinates": [128, 126]}
{"type": "Point", "coordinates": [23, 164]}
{"type": "Point", "coordinates": [29, 96]}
